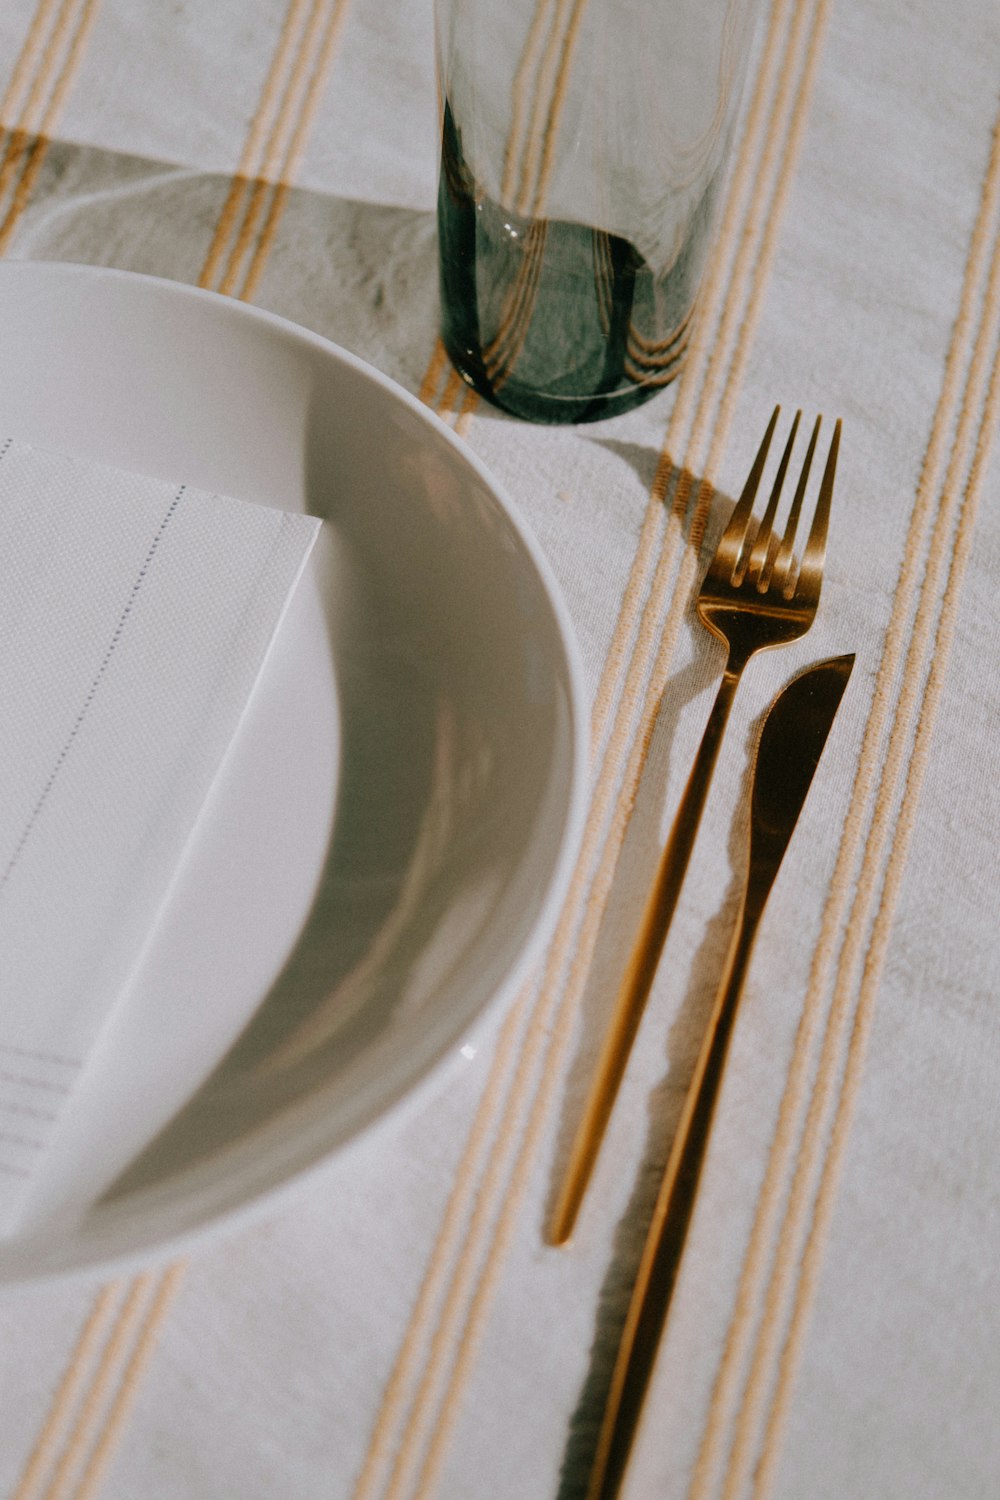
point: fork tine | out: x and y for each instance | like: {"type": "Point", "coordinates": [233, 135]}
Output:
{"type": "Point", "coordinates": [736, 527]}
{"type": "Point", "coordinates": [782, 569]}
{"type": "Point", "coordinates": [756, 564]}
{"type": "Point", "coordinates": [810, 576]}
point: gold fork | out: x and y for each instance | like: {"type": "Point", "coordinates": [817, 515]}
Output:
{"type": "Point", "coordinates": [753, 597]}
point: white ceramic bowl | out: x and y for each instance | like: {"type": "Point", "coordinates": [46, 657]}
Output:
{"type": "Point", "coordinates": [358, 896]}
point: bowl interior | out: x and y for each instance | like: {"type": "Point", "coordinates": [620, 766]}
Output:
{"type": "Point", "coordinates": [387, 846]}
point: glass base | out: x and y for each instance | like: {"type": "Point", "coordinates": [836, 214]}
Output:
{"type": "Point", "coordinates": [552, 320]}
{"type": "Point", "coordinates": [534, 405]}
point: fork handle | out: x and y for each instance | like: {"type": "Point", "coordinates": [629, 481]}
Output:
{"type": "Point", "coordinates": [665, 1238]}
{"type": "Point", "coordinates": [638, 978]}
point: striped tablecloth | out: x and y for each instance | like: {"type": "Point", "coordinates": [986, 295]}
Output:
{"type": "Point", "coordinates": [401, 1331]}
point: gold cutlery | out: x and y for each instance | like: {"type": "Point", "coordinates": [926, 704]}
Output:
{"type": "Point", "coordinates": [788, 753]}
{"type": "Point", "coordinates": [753, 597]}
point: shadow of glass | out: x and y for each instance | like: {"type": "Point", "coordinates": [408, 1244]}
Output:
{"type": "Point", "coordinates": [643, 460]}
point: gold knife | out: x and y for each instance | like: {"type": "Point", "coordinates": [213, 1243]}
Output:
{"type": "Point", "coordinates": [788, 752]}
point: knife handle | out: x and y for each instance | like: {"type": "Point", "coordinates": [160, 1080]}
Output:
{"type": "Point", "coordinates": [661, 1256]}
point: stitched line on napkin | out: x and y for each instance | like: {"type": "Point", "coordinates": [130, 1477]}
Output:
{"type": "Point", "coordinates": [35, 1055]}
{"type": "Point", "coordinates": [91, 693]}
{"type": "Point", "coordinates": [25, 1114]}
{"type": "Point", "coordinates": [35, 1083]}
{"type": "Point", "coordinates": [819, 1159]}
{"type": "Point", "coordinates": [779, 118]}
{"type": "Point", "coordinates": [26, 1109]}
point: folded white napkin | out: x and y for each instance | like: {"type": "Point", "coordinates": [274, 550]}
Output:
{"type": "Point", "coordinates": [135, 618]}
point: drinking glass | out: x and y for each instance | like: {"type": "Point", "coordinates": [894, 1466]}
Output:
{"type": "Point", "coordinates": [583, 148]}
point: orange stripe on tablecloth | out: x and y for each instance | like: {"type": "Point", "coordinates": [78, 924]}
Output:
{"type": "Point", "coordinates": [467, 410]}
{"type": "Point", "coordinates": [537, 161]}
{"type": "Point", "coordinates": [660, 620]}
{"type": "Point", "coordinates": [501, 353]}
{"type": "Point", "coordinates": [329, 38]}
{"type": "Point", "coordinates": [525, 82]}
{"type": "Point", "coordinates": [63, 1465]}
{"type": "Point", "coordinates": [450, 396]}
{"type": "Point", "coordinates": [713, 299]}
{"type": "Point", "coordinates": [504, 1134]}
{"type": "Point", "coordinates": [37, 151]}
{"type": "Point", "coordinates": [272, 155]}
{"type": "Point", "coordinates": [544, 82]}
{"type": "Point", "coordinates": [25, 73]}
{"type": "Point", "coordinates": [419, 1333]}
{"type": "Point", "coordinates": [785, 1142]}
{"type": "Point", "coordinates": [251, 164]}
{"type": "Point", "coordinates": [249, 191]}
{"type": "Point", "coordinates": [543, 69]}
{"type": "Point", "coordinates": [28, 140]}
{"type": "Point", "coordinates": [128, 1387]}
{"type": "Point", "coordinates": [290, 133]}
{"type": "Point", "coordinates": [436, 367]}
{"type": "Point", "coordinates": [29, 115]}
{"type": "Point", "coordinates": [68, 1391]}
{"type": "Point", "coordinates": [556, 103]}
{"type": "Point", "coordinates": [797, 1267]}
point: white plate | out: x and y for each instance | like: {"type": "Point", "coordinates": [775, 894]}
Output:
{"type": "Point", "coordinates": [322, 955]}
